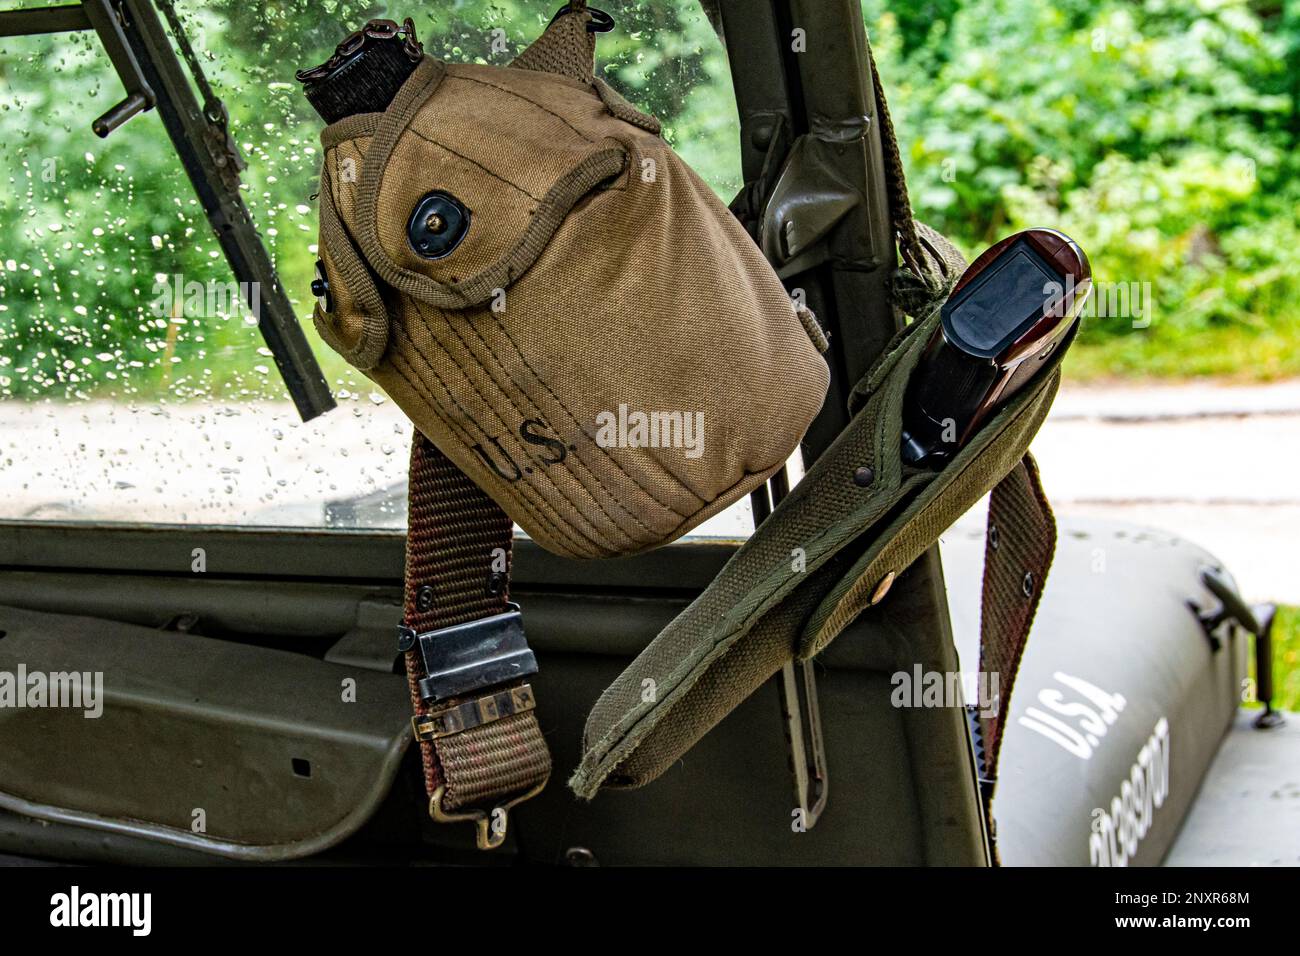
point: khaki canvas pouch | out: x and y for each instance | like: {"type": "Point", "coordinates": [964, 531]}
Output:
{"type": "Point", "coordinates": [604, 350]}
{"type": "Point", "coordinates": [825, 554]}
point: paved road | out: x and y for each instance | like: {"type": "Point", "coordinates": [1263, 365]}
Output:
{"type": "Point", "coordinates": [1247, 812]}
{"type": "Point", "coordinates": [1216, 465]}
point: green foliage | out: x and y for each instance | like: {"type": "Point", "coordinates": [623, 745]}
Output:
{"type": "Point", "coordinates": [1286, 659]}
{"type": "Point", "coordinates": [91, 225]}
{"type": "Point", "coordinates": [1161, 135]}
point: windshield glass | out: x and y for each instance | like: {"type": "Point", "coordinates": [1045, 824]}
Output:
{"type": "Point", "coordinates": [134, 383]}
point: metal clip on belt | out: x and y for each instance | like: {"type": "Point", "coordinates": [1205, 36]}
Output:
{"type": "Point", "coordinates": [458, 661]}
{"type": "Point", "coordinates": [466, 655]}
{"type": "Point", "coordinates": [472, 656]}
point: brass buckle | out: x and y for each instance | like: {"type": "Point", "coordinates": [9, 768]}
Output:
{"type": "Point", "coordinates": [490, 825]}
{"type": "Point", "coordinates": [468, 714]}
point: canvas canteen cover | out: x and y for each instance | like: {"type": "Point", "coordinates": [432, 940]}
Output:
{"type": "Point", "coordinates": [558, 302]}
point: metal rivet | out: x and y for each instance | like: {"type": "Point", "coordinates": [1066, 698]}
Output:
{"type": "Point", "coordinates": [1027, 585]}
{"type": "Point", "coordinates": [993, 536]}
{"type": "Point", "coordinates": [496, 583]}
{"type": "Point", "coordinates": [882, 588]}
{"type": "Point", "coordinates": [437, 224]}
{"type": "Point", "coordinates": [405, 638]}
{"type": "Point", "coordinates": [320, 288]}
{"type": "Point", "coordinates": [424, 598]}
{"type": "Point", "coordinates": [863, 476]}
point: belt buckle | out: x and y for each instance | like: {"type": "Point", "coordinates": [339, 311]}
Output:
{"type": "Point", "coordinates": [468, 657]}
{"type": "Point", "coordinates": [459, 717]}
{"type": "Point", "coordinates": [473, 673]}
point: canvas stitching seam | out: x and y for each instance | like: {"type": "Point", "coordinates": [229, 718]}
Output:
{"type": "Point", "coordinates": [534, 103]}
{"type": "Point", "coordinates": [413, 379]}
{"type": "Point", "coordinates": [520, 412]}
{"type": "Point", "coordinates": [542, 473]}
{"type": "Point", "coordinates": [605, 451]}
{"type": "Point", "coordinates": [473, 162]}
{"type": "Point", "coordinates": [532, 402]}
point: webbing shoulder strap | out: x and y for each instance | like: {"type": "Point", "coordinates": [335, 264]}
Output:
{"type": "Point", "coordinates": [466, 657]}
{"type": "Point", "coordinates": [1021, 536]}
{"type": "Point", "coordinates": [1019, 544]}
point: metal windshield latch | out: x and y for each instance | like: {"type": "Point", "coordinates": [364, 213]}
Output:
{"type": "Point", "coordinates": [1256, 620]}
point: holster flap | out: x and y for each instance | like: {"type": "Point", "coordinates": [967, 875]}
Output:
{"type": "Point", "coordinates": [804, 574]}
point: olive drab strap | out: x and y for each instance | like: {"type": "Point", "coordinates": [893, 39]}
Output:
{"type": "Point", "coordinates": [1021, 536]}
{"type": "Point", "coordinates": [466, 657]}
{"type": "Point", "coordinates": [568, 45]}
{"type": "Point", "coordinates": [1018, 549]}
{"type": "Point", "coordinates": [911, 243]}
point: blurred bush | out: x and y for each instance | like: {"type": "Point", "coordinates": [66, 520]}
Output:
{"type": "Point", "coordinates": [89, 226]}
{"type": "Point", "coordinates": [1161, 134]}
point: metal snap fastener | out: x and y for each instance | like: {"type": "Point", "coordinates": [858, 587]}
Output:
{"type": "Point", "coordinates": [406, 637]}
{"type": "Point", "coordinates": [424, 598]}
{"type": "Point", "coordinates": [863, 476]}
{"type": "Point", "coordinates": [438, 224]}
{"type": "Point", "coordinates": [320, 288]}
